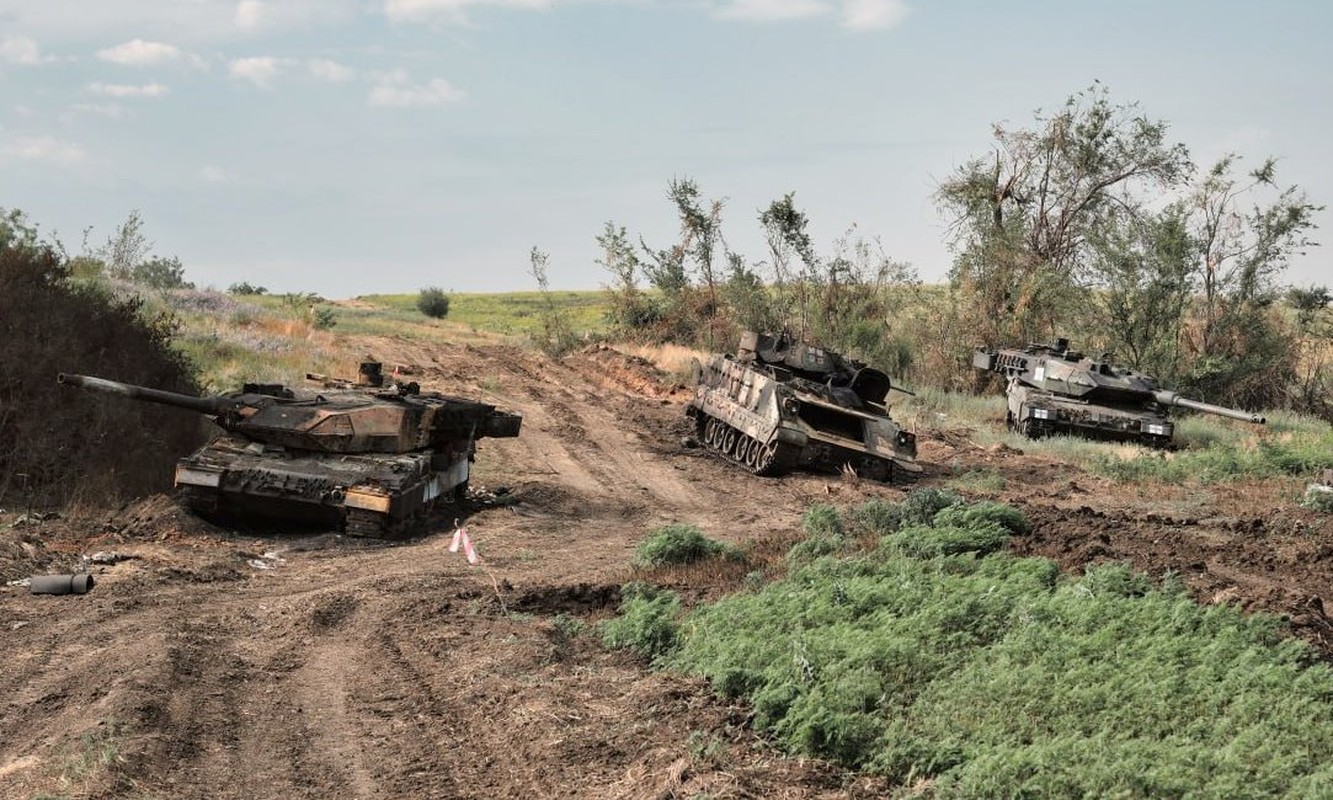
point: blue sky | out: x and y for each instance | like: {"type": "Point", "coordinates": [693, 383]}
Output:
{"type": "Point", "coordinates": [358, 146]}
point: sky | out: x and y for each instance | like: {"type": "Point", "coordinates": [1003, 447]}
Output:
{"type": "Point", "coordinates": [353, 147]}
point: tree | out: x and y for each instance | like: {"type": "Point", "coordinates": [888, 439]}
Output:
{"type": "Point", "coordinates": [786, 232]}
{"type": "Point", "coordinates": [700, 234]}
{"type": "Point", "coordinates": [1145, 269]}
{"type": "Point", "coordinates": [433, 302]}
{"type": "Point", "coordinates": [126, 248]}
{"type": "Point", "coordinates": [631, 311]}
{"type": "Point", "coordinates": [245, 288]}
{"type": "Point", "coordinates": [160, 273]}
{"type": "Point", "coordinates": [1022, 217]}
{"type": "Point", "coordinates": [556, 336]}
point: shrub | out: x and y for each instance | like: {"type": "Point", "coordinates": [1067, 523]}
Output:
{"type": "Point", "coordinates": [680, 544]}
{"type": "Point", "coordinates": [244, 288]}
{"type": "Point", "coordinates": [648, 623]}
{"type": "Point", "coordinates": [989, 676]}
{"type": "Point", "coordinates": [969, 515]}
{"type": "Point", "coordinates": [322, 318]}
{"type": "Point", "coordinates": [58, 441]}
{"type": "Point", "coordinates": [160, 273]}
{"type": "Point", "coordinates": [433, 302]}
{"type": "Point", "coordinates": [825, 535]}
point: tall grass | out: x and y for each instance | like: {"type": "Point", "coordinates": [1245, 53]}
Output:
{"type": "Point", "coordinates": [940, 657]}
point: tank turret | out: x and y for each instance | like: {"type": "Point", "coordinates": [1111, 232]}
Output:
{"type": "Point", "coordinates": [368, 456]}
{"type": "Point", "coordinates": [778, 404]}
{"type": "Point", "coordinates": [1052, 388]}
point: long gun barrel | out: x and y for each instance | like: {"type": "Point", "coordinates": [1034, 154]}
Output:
{"type": "Point", "coordinates": [1172, 399]}
{"type": "Point", "coordinates": [215, 406]}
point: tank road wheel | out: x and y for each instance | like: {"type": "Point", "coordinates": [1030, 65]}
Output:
{"type": "Point", "coordinates": [765, 462]}
{"type": "Point", "coordinates": [719, 435]}
{"type": "Point", "coordinates": [729, 442]}
{"type": "Point", "coordinates": [752, 448]}
{"type": "Point", "coordinates": [710, 432]}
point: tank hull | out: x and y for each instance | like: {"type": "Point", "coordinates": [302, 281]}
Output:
{"type": "Point", "coordinates": [1036, 414]}
{"type": "Point", "coordinates": [381, 495]}
{"type": "Point", "coordinates": [753, 417]}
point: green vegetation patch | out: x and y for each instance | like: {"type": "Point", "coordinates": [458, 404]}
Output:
{"type": "Point", "coordinates": [680, 544]}
{"type": "Point", "coordinates": [1295, 445]}
{"type": "Point", "coordinates": [938, 656]}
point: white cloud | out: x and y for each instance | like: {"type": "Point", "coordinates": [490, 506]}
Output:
{"type": "Point", "coordinates": [42, 148]}
{"type": "Point", "coordinates": [20, 50]}
{"type": "Point", "coordinates": [128, 90]}
{"type": "Point", "coordinates": [138, 53]}
{"type": "Point", "coordinates": [864, 15]}
{"type": "Point", "coordinates": [773, 10]}
{"type": "Point", "coordinates": [331, 71]}
{"type": "Point", "coordinates": [860, 15]}
{"type": "Point", "coordinates": [214, 174]}
{"type": "Point", "coordinates": [395, 91]}
{"type": "Point", "coordinates": [249, 13]}
{"type": "Point", "coordinates": [259, 70]}
{"type": "Point", "coordinates": [451, 10]}
{"type": "Point", "coordinates": [112, 110]}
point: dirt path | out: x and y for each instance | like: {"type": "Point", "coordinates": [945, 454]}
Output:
{"type": "Point", "coordinates": [214, 664]}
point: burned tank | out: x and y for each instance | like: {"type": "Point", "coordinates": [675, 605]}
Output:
{"type": "Point", "coordinates": [778, 405]}
{"type": "Point", "coordinates": [1053, 389]}
{"type": "Point", "coordinates": [366, 456]}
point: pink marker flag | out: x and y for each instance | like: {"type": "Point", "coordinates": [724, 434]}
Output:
{"type": "Point", "coordinates": [461, 537]}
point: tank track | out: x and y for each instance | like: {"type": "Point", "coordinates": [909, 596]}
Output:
{"type": "Point", "coordinates": [760, 458]}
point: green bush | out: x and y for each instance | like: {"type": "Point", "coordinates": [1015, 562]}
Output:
{"type": "Point", "coordinates": [990, 676]}
{"type": "Point", "coordinates": [244, 288]}
{"type": "Point", "coordinates": [926, 541]}
{"type": "Point", "coordinates": [648, 623]}
{"type": "Point", "coordinates": [969, 515]}
{"type": "Point", "coordinates": [680, 544]}
{"type": "Point", "coordinates": [433, 302]}
{"type": "Point", "coordinates": [825, 535]}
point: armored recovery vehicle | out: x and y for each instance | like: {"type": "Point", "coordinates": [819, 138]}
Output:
{"type": "Point", "coordinates": [365, 457]}
{"type": "Point", "coordinates": [1053, 389]}
{"type": "Point", "coordinates": [777, 405]}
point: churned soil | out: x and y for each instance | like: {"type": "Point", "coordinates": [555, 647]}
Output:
{"type": "Point", "coordinates": [212, 662]}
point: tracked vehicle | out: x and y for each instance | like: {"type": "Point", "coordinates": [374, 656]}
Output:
{"type": "Point", "coordinates": [1053, 389]}
{"type": "Point", "coordinates": [364, 456]}
{"type": "Point", "coordinates": [778, 405]}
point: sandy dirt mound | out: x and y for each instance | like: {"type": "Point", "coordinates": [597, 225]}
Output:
{"type": "Point", "coordinates": [216, 663]}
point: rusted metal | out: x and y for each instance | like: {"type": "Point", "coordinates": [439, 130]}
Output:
{"type": "Point", "coordinates": [778, 404]}
{"type": "Point", "coordinates": [385, 449]}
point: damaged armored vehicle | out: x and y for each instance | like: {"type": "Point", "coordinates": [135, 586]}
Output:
{"type": "Point", "coordinates": [778, 405]}
{"type": "Point", "coordinates": [1053, 389]}
{"type": "Point", "coordinates": [365, 456]}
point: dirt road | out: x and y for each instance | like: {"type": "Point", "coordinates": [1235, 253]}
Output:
{"type": "Point", "coordinates": [218, 664]}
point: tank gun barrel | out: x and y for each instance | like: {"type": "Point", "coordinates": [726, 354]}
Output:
{"type": "Point", "coordinates": [214, 406]}
{"type": "Point", "coordinates": [1172, 399]}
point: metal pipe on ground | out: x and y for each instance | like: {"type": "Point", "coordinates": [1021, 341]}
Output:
{"type": "Point", "coordinates": [78, 583]}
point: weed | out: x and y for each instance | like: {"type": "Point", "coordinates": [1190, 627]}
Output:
{"type": "Point", "coordinates": [648, 624]}
{"type": "Point", "coordinates": [979, 480]}
{"type": "Point", "coordinates": [939, 657]}
{"type": "Point", "coordinates": [681, 544]}
{"type": "Point", "coordinates": [706, 749]}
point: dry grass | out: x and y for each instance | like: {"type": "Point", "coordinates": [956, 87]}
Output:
{"type": "Point", "coordinates": [672, 358]}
